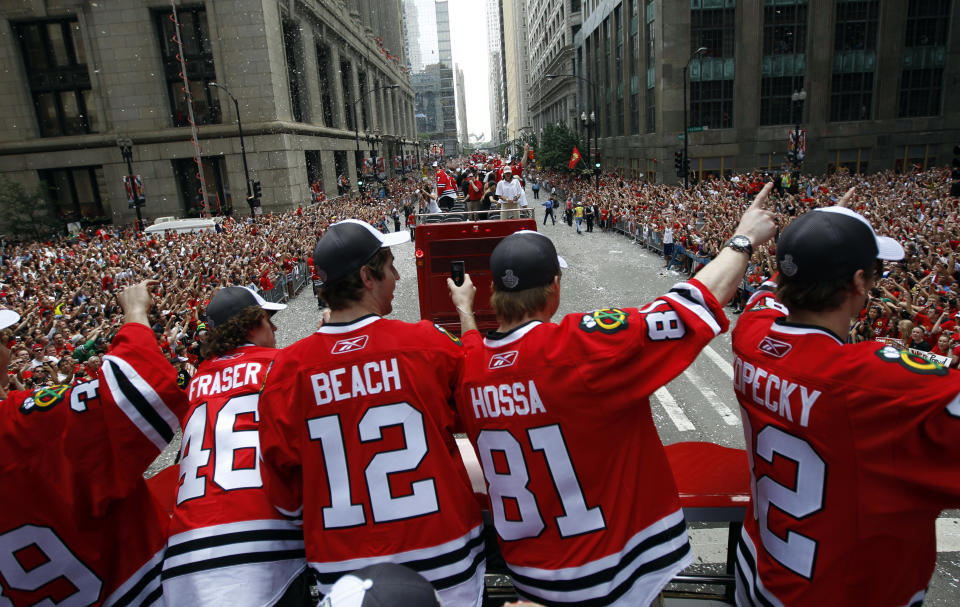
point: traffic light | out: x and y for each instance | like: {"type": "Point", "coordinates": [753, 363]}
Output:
{"type": "Point", "coordinates": [257, 192]}
{"type": "Point", "coordinates": [254, 199]}
{"type": "Point", "coordinates": [678, 162]}
{"type": "Point", "coordinates": [686, 166]}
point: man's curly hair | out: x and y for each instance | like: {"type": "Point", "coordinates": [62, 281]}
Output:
{"type": "Point", "coordinates": [233, 333]}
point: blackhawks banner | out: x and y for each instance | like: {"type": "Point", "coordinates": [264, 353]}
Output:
{"type": "Point", "coordinates": [575, 158]}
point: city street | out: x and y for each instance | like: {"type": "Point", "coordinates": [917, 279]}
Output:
{"type": "Point", "coordinates": [608, 269]}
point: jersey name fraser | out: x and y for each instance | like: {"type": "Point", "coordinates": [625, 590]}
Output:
{"type": "Point", "coordinates": [506, 400]}
{"type": "Point", "coordinates": [372, 377]}
{"type": "Point", "coordinates": [224, 380]}
{"type": "Point", "coordinates": [769, 390]}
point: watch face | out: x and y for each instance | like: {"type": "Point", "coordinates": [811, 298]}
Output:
{"type": "Point", "coordinates": [741, 241]}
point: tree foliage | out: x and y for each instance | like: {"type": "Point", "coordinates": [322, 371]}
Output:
{"type": "Point", "coordinates": [556, 146]}
{"type": "Point", "coordinates": [28, 214]}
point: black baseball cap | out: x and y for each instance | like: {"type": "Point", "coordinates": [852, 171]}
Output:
{"type": "Point", "coordinates": [831, 243]}
{"type": "Point", "coordinates": [382, 585]}
{"type": "Point", "coordinates": [230, 301]}
{"type": "Point", "coordinates": [524, 260]}
{"type": "Point", "coordinates": [347, 245]}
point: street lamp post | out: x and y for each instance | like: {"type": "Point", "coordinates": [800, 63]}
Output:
{"type": "Point", "coordinates": [243, 148]}
{"type": "Point", "coordinates": [686, 135]}
{"type": "Point", "coordinates": [798, 96]}
{"type": "Point", "coordinates": [126, 150]}
{"type": "Point", "coordinates": [356, 125]}
{"type": "Point", "coordinates": [590, 122]}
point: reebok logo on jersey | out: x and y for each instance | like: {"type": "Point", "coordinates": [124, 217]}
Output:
{"type": "Point", "coordinates": [504, 359]}
{"type": "Point", "coordinates": [350, 345]}
{"type": "Point", "coordinates": [774, 347]}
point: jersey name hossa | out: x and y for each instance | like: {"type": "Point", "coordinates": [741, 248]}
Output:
{"type": "Point", "coordinates": [854, 451]}
{"type": "Point", "coordinates": [226, 538]}
{"type": "Point", "coordinates": [78, 525]}
{"type": "Point", "coordinates": [356, 431]}
{"type": "Point", "coordinates": [581, 493]}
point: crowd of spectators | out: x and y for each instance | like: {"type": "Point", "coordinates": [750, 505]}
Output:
{"type": "Point", "coordinates": [916, 302]}
{"type": "Point", "coordinates": [64, 288]}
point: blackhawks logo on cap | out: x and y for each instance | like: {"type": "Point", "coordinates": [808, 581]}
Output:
{"type": "Point", "coordinates": [911, 362]}
{"type": "Point", "coordinates": [43, 399]}
{"type": "Point", "coordinates": [606, 320]}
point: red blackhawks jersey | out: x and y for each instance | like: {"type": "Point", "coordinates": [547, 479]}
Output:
{"type": "Point", "coordinates": [78, 525]}
{"type": "Point", "coordinates": [226, 539]}
{"type": "Point", "coordinates": [582, 496]}
{"type": "Point", "coordinates": [854, 450]}
{"type": "Point", "coordinates": [356, 432]}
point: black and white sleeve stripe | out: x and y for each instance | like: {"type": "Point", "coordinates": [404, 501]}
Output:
{"type": "Point", "coordinates": [690, 297]}
{"type": "Point", "coordinates": [139, 402]}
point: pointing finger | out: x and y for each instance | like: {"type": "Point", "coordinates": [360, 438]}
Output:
{"type": "Point", "coordinates": [761, 199]}
{"type": "Point", "coordinates": [847, 199]}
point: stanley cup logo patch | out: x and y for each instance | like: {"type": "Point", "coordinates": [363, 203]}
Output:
{"type": "Point", "coordinates": [349, 345]}
{"type": "Point", "coordinates": [510, 280]}
{"type": "Point", "coordinates": [504, 359]}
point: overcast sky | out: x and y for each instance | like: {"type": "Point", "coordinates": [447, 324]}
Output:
{"type": "Point", "coordinates": [468, 37]}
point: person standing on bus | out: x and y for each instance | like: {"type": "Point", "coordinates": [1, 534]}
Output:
{"type": "Point", "coordinates": [511, 195]}
{"type": "Point", "coordinates": [535, 397]}
{"type": "Point", "coordinates": [474, 192]}
{"type": "Point", "coordinates": [356, 430]}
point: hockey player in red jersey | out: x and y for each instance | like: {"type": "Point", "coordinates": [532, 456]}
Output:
{"type": "Point", "coordinates": [356, 430]}
{"type": "Point", "coordinates": [854, 448]}
{"type": "Point", "coordinates": [227, 542]}
{"type": "Point", "coordinates": [78, 525]}
{"type": "Point", "coordinates": [575, 525]}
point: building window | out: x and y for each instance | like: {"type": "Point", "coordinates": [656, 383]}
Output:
{"type": "Point", "coordinates": [784, 61]}
{"type": "Point", "coordinates": [856, 25]}
{"type": "Point", "coordinates": [651, 96]}
{"type": "Point", "coordinates": [195, 38]}
{"type": "Point", "coordinates": [73, 192]}
{"type": "Point", "coordinates": [346, 82]}
{"type": "Point", "coordinates": [326, 97]}
{"type": "Point", "coordinates": [618, 70]}
{"type": "Point", "coordinates": [219, 199]}
{"type": "Point", "coordinates": [635, 67]}
{"type": "Point", "coordinates": [293, 47]}
{"type": "Point", "coordinates": [711, 75]}
{"type": "Point", "coordinates": [711, 104]}
{"type": "Point", "coordinates": [854, 60]}
{"type": "Point", "coordinates": [851, 96]}
{"type": "Point", "coordinates": [56, 67]}
{"type": "Point", "coordinates": [924, 57]}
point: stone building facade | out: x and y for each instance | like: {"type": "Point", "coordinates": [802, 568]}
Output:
{"type": "Point", "coordinates": [310, 78]}
{"type": "Point", "coordinates": [874, 81]}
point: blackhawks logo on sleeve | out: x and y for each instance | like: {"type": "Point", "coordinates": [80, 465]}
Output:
{"type": "Point", "coordinates": [911, 362]}
{"type": "Point", "coordinates": [43, 399]}
{"type": "Point", "coordinates": [606, 320]}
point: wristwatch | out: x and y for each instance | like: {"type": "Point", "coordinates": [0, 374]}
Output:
{"type": "Point", "coordinates": [741, 244]}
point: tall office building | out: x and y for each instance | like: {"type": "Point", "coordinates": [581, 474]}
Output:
{"type": "Point", "coordinates": [318, 89]}
{"type": "Point", "coordinates": [462, 132]}
{"type": "Point", "coordinates": [432, 74]}
{"type": "Point", "coordinates": [768, 68]}
{"type": "Point", "coordinates": [496, 84]}
{"type": "Point", "coordinates": [551, 26]}
{"type": "Point", "coordinates": [516, 66]}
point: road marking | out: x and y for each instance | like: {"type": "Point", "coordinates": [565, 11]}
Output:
{"type": "Point", "coordinates": [948, 535]}
{"type": "Point", "coordinates": [669, 404]}
{"type": "Point", "coordinates": [720, 361]}
{"type": "Point", "coordinates": [715, 401]}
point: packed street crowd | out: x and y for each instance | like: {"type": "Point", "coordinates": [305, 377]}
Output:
{"type": "Point", "coordinates": [64, 289]}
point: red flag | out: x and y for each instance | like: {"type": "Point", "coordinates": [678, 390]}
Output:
{"type": "Point", "coordinates": [575, 158]}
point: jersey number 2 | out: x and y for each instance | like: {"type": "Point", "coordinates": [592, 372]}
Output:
{"type": "Point", "coordinates": [796, 552]}
{"type": "Point", "coordinates": [59, 563]}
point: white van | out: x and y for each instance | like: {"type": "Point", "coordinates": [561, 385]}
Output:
{"type": "Point", "coordinates": [183, 226]}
